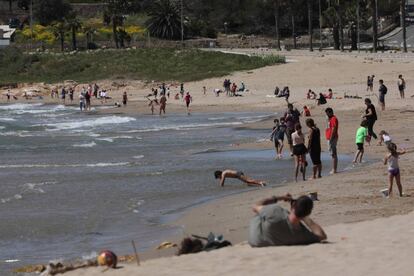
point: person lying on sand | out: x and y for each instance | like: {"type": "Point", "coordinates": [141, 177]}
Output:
{"type": "Point", "coordinates": [222, 175]}
{"type": "Point", "coordinates": [273, 225]}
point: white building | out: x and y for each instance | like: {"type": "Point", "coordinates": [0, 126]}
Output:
{"type": "Point", "coordinates": [6, 34]}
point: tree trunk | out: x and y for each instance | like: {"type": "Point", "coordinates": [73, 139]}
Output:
{"type": "Point", "coordinates": [115, 33]}
{"type": "Point", "coordinates": [403, 25]}
{"type": "Point", "coordinates": [277, 29]}
{"type": "Point", "coordinates": [74, 46]}
{"type": "Point", "coordinates": [62, 41]}
{"type": "Point", "coordinates": [10, 5]}
{"type": "Point", "coordinates": [354, 38]}
{"type": "Point", "coordinates": [341, 33]}
{"type": "Point", "coordinates": [335, 33]}
{"type": "Point", "coordinates": [294, 32]}
{"type": "Point", "coordinates": [310, 29]}
{"type": "Point", "coordinates": [374, 26]}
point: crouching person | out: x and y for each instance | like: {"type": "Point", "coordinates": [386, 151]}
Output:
{"type": "Point", "coordinates": [274, 225]}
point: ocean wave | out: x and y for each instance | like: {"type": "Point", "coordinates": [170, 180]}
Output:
{"type": "Point", "coordinates": [138, 156]}
{"type": "Point", "coordinates": [41, 166]}
{"type": "Point", "coordinates": [109, 140]}
{"type": "Point", "coordinates": [21, 133]}
{"type": "Point", "coordinates": [6, 119]}
{"type": "Point", "coordinates": [19, 106]}
{"type": "Point", "coordinates": [28, 188]}
{"type": "Point", "coordinates": [2, 127]}
{"type": "Point", "coordinates": [185, 127]}
{"type": "Point", "coordinates": [86, 145]}
{"type": "Point", "coordinates": [108, 120]}
{"type": "Point", "coordinates": [208, 151]}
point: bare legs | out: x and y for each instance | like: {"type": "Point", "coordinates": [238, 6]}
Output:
{"type": "Point", "coordinates": [252, 182]}
{"type": "Point", "coordinates": [398, 182]}
{"type": "Point", "coordinates": [358, 155]}
{"type": "Point", "coordinates": [317, 169]}
{"type": "Point", "coordinates": [300, 165]}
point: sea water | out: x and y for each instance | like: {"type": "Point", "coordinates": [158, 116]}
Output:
{"type": "Point", "coordinates": [73, 183]}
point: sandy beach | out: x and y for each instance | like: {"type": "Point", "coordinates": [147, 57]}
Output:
{"type": "Point", "coordinates": [367, 234]}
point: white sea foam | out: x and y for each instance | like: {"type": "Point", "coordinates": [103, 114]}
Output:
{"type": "Point", "coordinates": [41, 166]}
{"type": "Point", "coordinates": [21, 133]}
{"type": "Point", "coordinates": [185, 127]}
{"type": "Point", "coordinates": [2, 127]}
{"type": "Point", "coordinates": [94, 135]}
{"type": "Point", "coordinates": [109, 140]}
{"type": "Point", "coordinates": [138, 156]}
{"type": "Point", "coordinates": [12, 261]}
{"type": "Point", "coordinates": [90, 123]}
{"type": "Point", "coordinates": [86, 145]}
{"type": "Point", "coordinates": [6, 119]}
{"type": "Point", "coordinates": [19, 106]}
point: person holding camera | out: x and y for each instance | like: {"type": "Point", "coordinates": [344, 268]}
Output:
{"type": "Point", "coordinates": [276, 226]}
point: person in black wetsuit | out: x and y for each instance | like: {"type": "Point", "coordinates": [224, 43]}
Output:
{"type": "Point", "coordinates": [314, 148]}
{"type": "Point", "coordinates": [371, 117]}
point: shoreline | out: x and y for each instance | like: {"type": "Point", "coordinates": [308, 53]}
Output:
{"type": "Point", "coordinates": [347, 197]}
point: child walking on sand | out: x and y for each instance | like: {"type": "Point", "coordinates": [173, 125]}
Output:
{"type": "Point", "coordinates": [361, 135]}
{"type": "Point", "coordinates": [391, 159]}
{"type": "Point", "coordinates": [299, 151]}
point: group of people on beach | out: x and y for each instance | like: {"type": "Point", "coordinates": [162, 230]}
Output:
{"type": "Point", "coordinates": [273, 225]}
{"type": "Point", "coordinates": [163, 91]}
{"type": "Point", "coordinates": [289, 126]}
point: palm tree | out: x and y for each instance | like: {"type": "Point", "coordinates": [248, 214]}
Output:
{"type": "Point", "coordinates": [292, 8]}
{"type": "Point", "coordinates": [59, 30]}
{"type": "Point", "coordinates": [403, 25]}
{"type": "Point", "coordinates": [276, 4]}
{"type": "Point", "coordinates": [73, 24]}
{"type": "Point", "coordinates": [374, 25]}
{"type": "Point", "coordinates": [164, 20]}
{"type": "Point", "coordinates": [114, 13]}
{"type": "Point", "coordinates": [89, 29]}
{"type": "Point", "coordinates": [310, 28]}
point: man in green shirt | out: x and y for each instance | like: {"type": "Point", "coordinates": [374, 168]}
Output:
{"type": "Point", "coordinates": [360, 137]}
{"type": "Point", "coordinates": [274, 225]}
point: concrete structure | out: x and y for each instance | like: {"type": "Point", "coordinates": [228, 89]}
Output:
{"type": "Point", "coordinates": [410, 10]}
{"type": "Point", "coordinates": [6, 35]}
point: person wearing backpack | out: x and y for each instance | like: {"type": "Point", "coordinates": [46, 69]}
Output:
{"type": "Point", "coordinates": [382, 92]}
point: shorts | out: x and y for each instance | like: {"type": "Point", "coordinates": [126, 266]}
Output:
{"type": "Point", "coordinates": [239, 174]}
{"type": "Point", "coordinates": [276, 141]}
{"type": "Point", "coordinates": [381, 99]}
{"type": "Point", "coordinates": [360, 146]}
{"type": "Point", "coordinates": [289, 133]}
{"type": "Point", "coordinates": [401, 88]}
{"type": "Point", "coordinates": [315, 157]}
{"type": "Point", "coordinates": [332, 147]}
{"type": "Point", "coordinates": [394, 172]}
{"type": "Point", "coordinates": [299, 150]}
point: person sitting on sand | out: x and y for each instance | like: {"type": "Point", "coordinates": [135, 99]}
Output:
{"type": "Point", "coordinates": [222, 175]}
{"type": "Point", "coordinates": [242, 87]}
{"type": "Point", "coordinates": [311, 95]}
{"type": "Point", "coordinates": [329, 95]}
{"type": "Point", "coordinates": [285, 93]}
{"type": "Point", "coordinates": [321, 100]}
{"type": "Point", "coordinates": [306, 112]}
{"type": "Point", "coordinates": [276, 226]}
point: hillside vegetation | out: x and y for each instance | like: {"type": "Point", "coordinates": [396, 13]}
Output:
{"type": "Point", "coordinates": [142, 64]}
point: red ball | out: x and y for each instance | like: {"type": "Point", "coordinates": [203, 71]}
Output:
{"type": "Point", "coordinates": [107, 258]}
